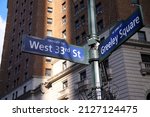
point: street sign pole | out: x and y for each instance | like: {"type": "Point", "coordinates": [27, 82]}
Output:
{"type": "Point", "coordinates": [94, 49]}
{"type": "Point", "coordinates": [136, 3]}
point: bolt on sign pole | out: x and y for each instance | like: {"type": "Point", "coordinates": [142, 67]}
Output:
{"type": "Point", "coordinates": [92, 42]}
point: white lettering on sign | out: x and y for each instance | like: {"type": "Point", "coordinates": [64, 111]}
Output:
{"type": "Point", "coordinates": [129, 27]}
{"type": "Point", "coordinates": [76, 53]}
{"type": "Point", "coordinates": [56, 49]}
{"type": "Point", "coordinates": [113, 41]}
{"type": "Point", "coordinates": [37, 46]}
{"type": "Point", "coordinates": [61, 50]}
{"type": "Point", "coordinates": [123, 32]}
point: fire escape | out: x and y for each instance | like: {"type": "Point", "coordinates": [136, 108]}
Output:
{"type": "Point", "coordinates": [109, 90]}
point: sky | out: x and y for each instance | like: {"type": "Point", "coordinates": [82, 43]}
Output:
{"type": "Point", "coordinates": [3, 17]}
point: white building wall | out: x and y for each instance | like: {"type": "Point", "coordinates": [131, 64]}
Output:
{"type": "Point", "coordinates": [57, 92]}
{"type": "Point", "coordinates": [137, 83]}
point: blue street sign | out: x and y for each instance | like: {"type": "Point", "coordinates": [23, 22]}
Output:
{"type": "Point", "coordinates": [53, 47]}
{"type": "Point", "coordinates": [120, 33]}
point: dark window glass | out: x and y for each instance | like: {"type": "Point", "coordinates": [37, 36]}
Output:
{"type": "Point", "coordinates": [83, 75]}
{"type": "Point", "coordinates": [100, 25]}
{"type": "Point", "coordinates": [145, 58]}
{"type": "Point", "coordinates": [142, 36]}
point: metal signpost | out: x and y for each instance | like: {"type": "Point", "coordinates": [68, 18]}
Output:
{"type": "Point", "coordinates": [92, 42]}
{"type": "Point", "coordinates": [53, 47]}
{"type": "Point", "coordinates": [121, 33]}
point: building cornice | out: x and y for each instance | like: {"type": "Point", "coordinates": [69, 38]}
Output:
{"type": "Point", "coordinates": [133, 42]}
{"type": "Point", "coordinates": [70, 69]}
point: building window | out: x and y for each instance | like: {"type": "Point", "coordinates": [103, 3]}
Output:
{"type": "Point", "coordinates": [22, 31]}
{"type": "Point", "coordinates": [48, 59]}
{"type": "Point", "coordinates": [14, 83]}
{"type": "Point", "coordinates": [99, 8]}
{"type": "Point", "coordinates": [30, 27]}
{"type": "Point", "coordinates": [82, 4]}
{"type": "Point", "coordinates": [14, 31]}
{"type": "Point", "coordinates": [19, 67]}
{"type": "Point", "coordinates": [64, 34]}
{"type": "Point", "coordinates": [10, 62]}
{"type": "Point", "coordinates": [20, 26]}
{"type": "Point", "coordinates": [145, 58]}
{"type": "Point", "coordinates": [83, 75]}
{"type": "Point", "coordinates": [65, 84]}
{"type": "Point", "coordinates": [16, 11]}
{"type": "Point", "coordinates": [17, 58]}
{"type": "Point", "coordinates": [49, 10]}
{"type": "Point", "coordinates": [12, 41]}
{"type": "Point", "coordinates": [106, 63]}
{"type": "Point", "coordinates": [64, 6]}
{"type": "Point", "coordinates": [21, 14]}
{"type": "Point", "coordinates": [49, 20]}
{"type": "Point", "coordinates": [84, 37]}
{"type": "Point", "coordinates": [27, 63]}
{"type": "Point", "coordinates": [26, 75]}
{"type": "Point", "coordinates": [77, 24]}
{"type": "Point", "coordinates": [11, 52]}
{"type": "Point", "coordinates": [17, 2]}
{"type": "Point", "coordinates": [49, 33]}
{"type": "Point", "coordinates": [31, 3]}
{"type": "Point", "coordinates": [17, 81]}
{"type": "Point", "coordinates": [48, 72]}
{"type": "Point", "coordinates": [148, 97]}
{"type": "Point", "coordinates": [24, 11]}
{"type": "Point", "coordinates": [77, 40]}
{"type": "Point", "coordinates": [83, 20]}
{"type": "Point", "coordinates": [50, 0]}
{"type": "Point", "coordinates": [30, 17]}
{"type": "Point", "coordinates": [64, 19]}
{"type": "Point", "coordinates": [22, 4]}
{"type": "Point", "coordinates": [24, 89]}
{"type": "Point", "coordinates": [13, 96]}
{"type": "Point", "coordinates": [7, 88]}
{"type": "Point", "coordinates": [20, 55]}
{"type": "Point", "coordinates": [15, 20]}
{"type": "Point", "coordinates": [18, 45]}
{"type": "Point", "coordinates": [76, 8]}
{"type": "Point", "coordinates": [16, 95]}
{"type": "Point", "coordinates": [9, 75]}
{"type": "Point", "coordinates": [16, 70]}
{"type": "Point", "coordinates": [30, 13]}
{"type": "Point", "coordinates": [142, 36]}
{"type": "Point", "coordinates": [64, 65]}
{"type": "Point", "coordinates": [100, 25]}
{"type": "Point", "coordinates": [145, 64]}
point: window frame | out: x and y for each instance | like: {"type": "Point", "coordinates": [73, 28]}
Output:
{"type": "Point", "coordinates": [48, 72]}
{"type": "Point", "coordinates": [65, 84]}
{"type": "Point", "coordinates": [143, 35]}
{"type": "Point", "coordinates": [83, 75]}
{"type": "Point", "coordinates": [49, 20]}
